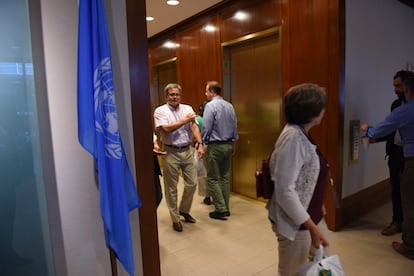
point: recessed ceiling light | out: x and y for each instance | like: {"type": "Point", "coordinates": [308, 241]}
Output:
{"type": "Point", "coordinates": [170, 45]}
{"type": "Point", "coordinates": [173, 2]}
{"type": "Point", "coordinates": [150, 18]}
{"type": "Point", "coordinates": [240, 15]}
{"type": "Point", "coordinates": [209, 28]}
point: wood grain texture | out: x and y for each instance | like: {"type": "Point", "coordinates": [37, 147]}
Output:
{"type": "Point", "coordinates": [142, 118]}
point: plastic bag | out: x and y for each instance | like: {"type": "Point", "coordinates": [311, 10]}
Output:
{"type": "Point", "coordinates": [202, 176]}
{"type": "Point", "coordinates": [323, 266]}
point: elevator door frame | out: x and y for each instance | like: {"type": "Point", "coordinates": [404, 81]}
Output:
{"type": "Point", "coordinates": [158, 96]}
{"type": "Point", "coordinates": [261, 150]}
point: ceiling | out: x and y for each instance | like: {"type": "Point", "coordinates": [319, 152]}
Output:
{"type": "Point", "coordinates": [167, 16]}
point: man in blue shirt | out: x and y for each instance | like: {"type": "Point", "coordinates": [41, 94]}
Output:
{"type": "Point", "coordinates": [394, 151]}
{"type": "Point", "coordinates": [402, 119]}
{"type": "Point", "coordinates": [220, 134]}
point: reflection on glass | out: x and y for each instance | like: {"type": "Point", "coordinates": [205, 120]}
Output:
{"type": "Point", "coordinates": [24, 235]}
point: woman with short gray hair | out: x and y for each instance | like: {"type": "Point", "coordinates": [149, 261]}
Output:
{"type": "Point", "coordinates": [299, 172]}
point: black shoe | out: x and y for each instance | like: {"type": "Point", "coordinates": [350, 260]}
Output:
{"type": "Point", "coordinates": [177, 226]}
{"type": "Point", "coordinates": [227, 214]}
{"type": "Point", "coordinates": [218, 215]}
{"type": "Point", "coordinates": [392, 229]}
{"type": "Point", "coordinates": [207, 200]}
{"type": "Point", "coordinates": [188, 217]}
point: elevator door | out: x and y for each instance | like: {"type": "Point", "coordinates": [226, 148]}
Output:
{"type": "Point", "coordinates": [255, 82]}
{"type": "Point", "coordinates": [163, 74]}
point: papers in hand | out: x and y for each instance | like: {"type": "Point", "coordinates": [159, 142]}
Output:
{"type": "Point", "coordinates": [157, 152]}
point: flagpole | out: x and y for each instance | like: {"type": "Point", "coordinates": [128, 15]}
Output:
{"type": "Point", "coordinates": [112, 257]}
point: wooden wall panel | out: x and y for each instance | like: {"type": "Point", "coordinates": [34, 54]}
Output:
{"type": "Point", "coordinates": [335, 108]}
{"type": "Point", "coordinates": [159, 53]}
{"type": "Point", "coordinates": [198, 60]}
{"type": "Point", "coordinates": [314, 56]}
{"type": "Point", "coordinates": [309, 44]}
{"type": "Point", "coordinates": [142, 125]}
{"type": "Point", "coordinates": [309, 50]}
{"type": "Point", "coordinates": [260, 15]}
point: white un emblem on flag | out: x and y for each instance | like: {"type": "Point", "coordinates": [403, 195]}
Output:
{"type": "Point", "coordinates": [106, 121]}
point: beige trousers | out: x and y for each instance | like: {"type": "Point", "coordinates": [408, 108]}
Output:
{"type": "Point", "coordinates": [175, 161]}
{"type": "Point", "coordinates": [294, 253]}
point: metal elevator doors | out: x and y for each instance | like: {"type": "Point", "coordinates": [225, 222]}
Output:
{"type": "Point", "coordinates": [252, 74]}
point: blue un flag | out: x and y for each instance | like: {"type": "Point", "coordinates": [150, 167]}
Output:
{"type": "Point", "coordinates": [99, 132]}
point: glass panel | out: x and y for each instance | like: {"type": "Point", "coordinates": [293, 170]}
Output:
{"type": "Point", "coordinates": [24, 234]}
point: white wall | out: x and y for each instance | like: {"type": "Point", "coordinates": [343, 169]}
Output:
{"type": "Point", "coordinates": [78, 197]}
{"type": "Point", "coordinates": [379, 42]}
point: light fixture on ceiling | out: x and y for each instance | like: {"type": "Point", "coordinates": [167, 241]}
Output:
{"type": "Point", "coordinates": [150, 18]}
{"type": "Point", "coordinates": [241, 16]}
{"type": "Point", "coordinates": [170, 45]}
{"type": "Point", "coordinates": [209, 28]}
{"type": "Point", "coordinates": [173, 2]}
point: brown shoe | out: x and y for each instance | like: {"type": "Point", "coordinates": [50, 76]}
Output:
{"type": "Point", "coordinates": [399, 247]}
{"type": "Point", "coordinates": [391, 229]}
{"type": "Point", "coordinates": [177, 226]}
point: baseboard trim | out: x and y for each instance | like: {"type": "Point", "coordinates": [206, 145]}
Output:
{"type": "Point", "coordinates": [360, 203]}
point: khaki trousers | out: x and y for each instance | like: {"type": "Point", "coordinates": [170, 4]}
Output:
{"type": "Point", "coordinates": [175, 161]}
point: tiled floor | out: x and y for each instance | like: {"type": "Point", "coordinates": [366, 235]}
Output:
{"type": "Point", "coordinates": [244, 245]}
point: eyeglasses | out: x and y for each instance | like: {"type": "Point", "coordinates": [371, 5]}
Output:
{"type": "Point", "coordinates": [174, 95]}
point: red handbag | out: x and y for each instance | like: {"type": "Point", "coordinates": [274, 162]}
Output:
{"type": "Point", "coordinates": [264, 183]}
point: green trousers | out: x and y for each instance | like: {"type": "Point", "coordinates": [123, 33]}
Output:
{"type": "Point", "coordinates": [217, 160]}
